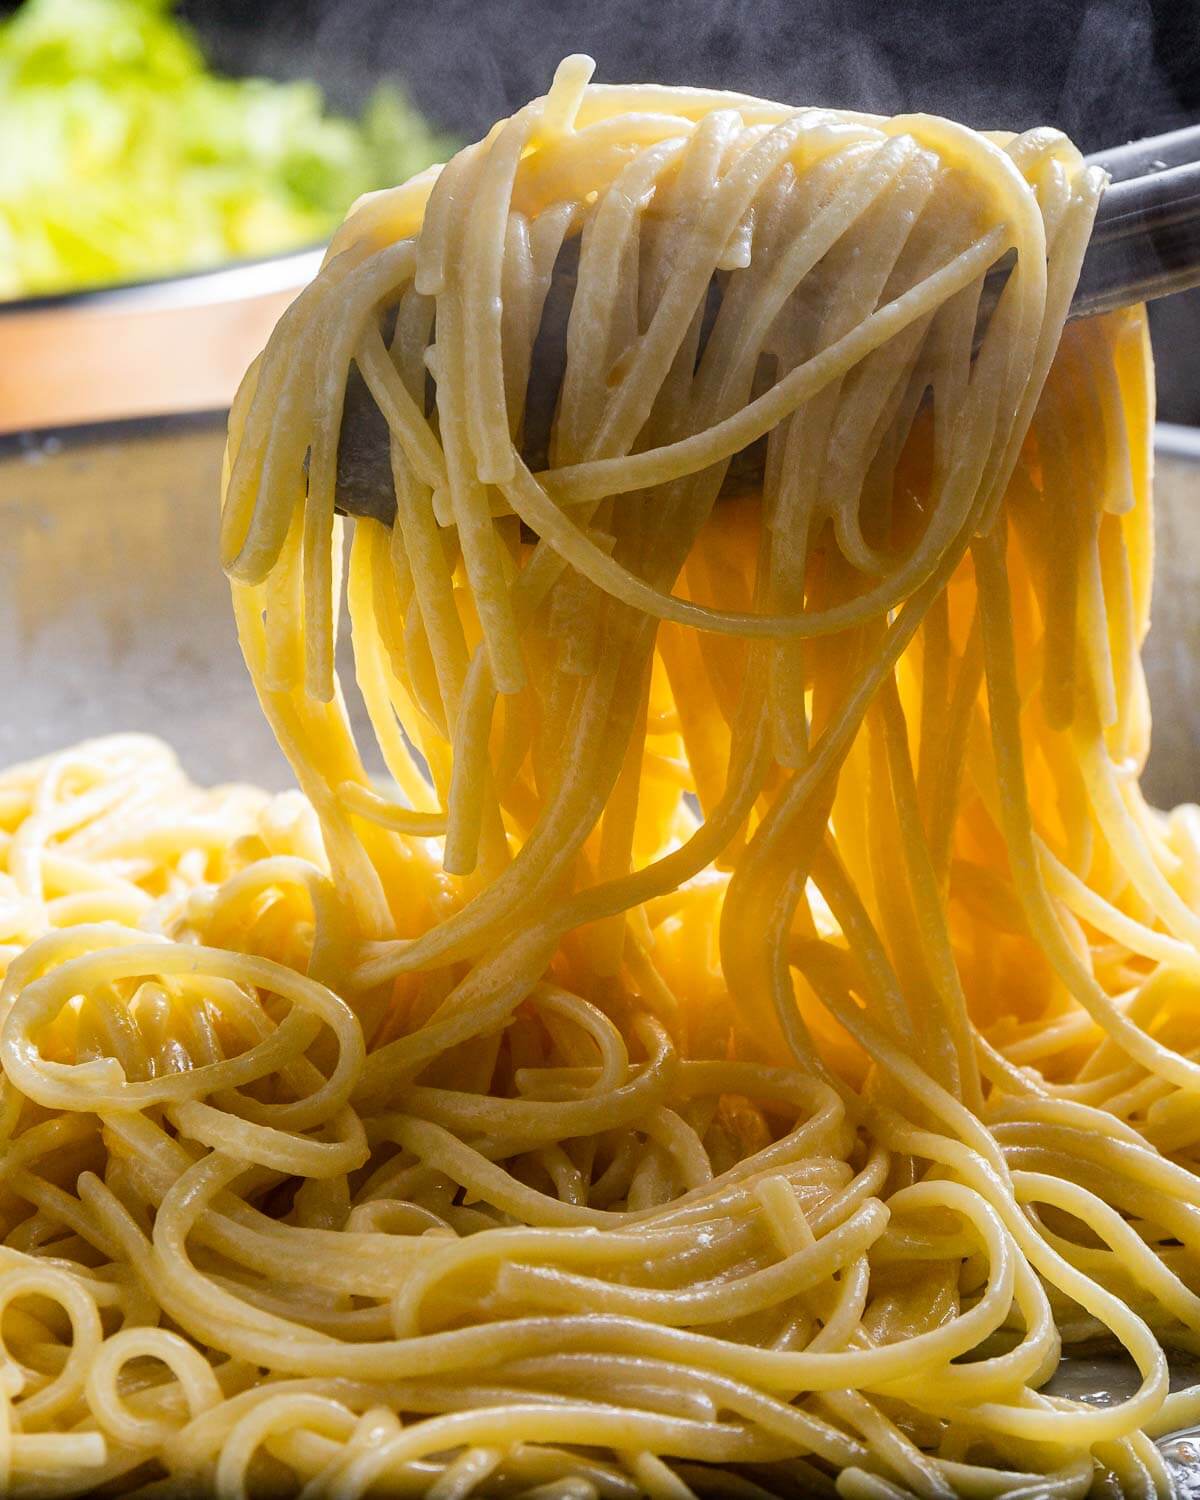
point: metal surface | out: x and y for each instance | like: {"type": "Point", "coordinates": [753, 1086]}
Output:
{"type": "Point", "coordinates": [114, 609]}
{"type": "Point", "coordinates": [179, 344]}
{"type": "Point", "coordinates": [1155, 153]}
{"type": "Point", "coordinates": [1145, 244]}
{"type": "Point", "coordinates": [1172, 653]}
{"type": "Point", "coordinates": [116, 613]}
{"type": "Point", "coordinates": [116, 617]}
{"type": "Point", "coordinates": [1146, 240]}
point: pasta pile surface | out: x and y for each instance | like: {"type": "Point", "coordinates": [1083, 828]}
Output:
{"type": "Point", "coordinates": [747, 1041]}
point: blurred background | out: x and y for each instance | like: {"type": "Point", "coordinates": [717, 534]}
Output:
{"type": "Point", "coordinates": [1090, 66]}
{"type": "Point", "coordinates": [142, 138]}
{"type": "Point", "coordinates": [1105, 71]}
{"type": "Point", "coordinates": [226, 138]}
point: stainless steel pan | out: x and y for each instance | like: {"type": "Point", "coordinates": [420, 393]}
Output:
{"type": "Point", "coordinates": [179, 344]}
{"type": "Point", "coordinates": [116, 616]}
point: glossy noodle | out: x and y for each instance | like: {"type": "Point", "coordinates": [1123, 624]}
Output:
{"type": "Point", "coordinates": [748, 1037]}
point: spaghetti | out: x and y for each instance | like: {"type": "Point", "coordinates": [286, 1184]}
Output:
{"type": "Point", "coordinates": [748, 1039]}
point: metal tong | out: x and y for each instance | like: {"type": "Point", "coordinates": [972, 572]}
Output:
{"type": "Point", "coordinates": [1146, 240]}
{"type": "Point", "coordinates": [1145, 244]}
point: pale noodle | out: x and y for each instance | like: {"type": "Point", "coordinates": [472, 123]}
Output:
{"type": "Point", "coordinates": [750, 1038]}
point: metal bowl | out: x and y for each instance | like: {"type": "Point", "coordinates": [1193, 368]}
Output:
{"type": "Point", "coordinates": [112, 599]}
{"type": "Point", "coordinates": [178, 344]}
{"type": "Point", "coordinates": [1172, 654]}
{"type": "Point", "coordinates": [118, 616]}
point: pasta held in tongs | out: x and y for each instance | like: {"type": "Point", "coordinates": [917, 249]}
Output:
{"type": "Point", "coordinates": [752, 1023]}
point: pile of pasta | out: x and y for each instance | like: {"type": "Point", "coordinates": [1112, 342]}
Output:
{"type": "Point", "coordinates": [746, 1040]}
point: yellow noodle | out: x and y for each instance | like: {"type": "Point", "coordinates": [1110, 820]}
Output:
{"type": "Point", "coordinates": [505, 1124]}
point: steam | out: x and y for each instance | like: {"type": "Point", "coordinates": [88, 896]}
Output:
{"type": "Point", "coordinates": [1105, 71]}
{"type": "Point", "coordinates": [1088, 66]}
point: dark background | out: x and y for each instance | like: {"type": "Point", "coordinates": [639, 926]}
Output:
{"type": "Point", "coordinates": [1102, 70]}
{"type": "Point", "coordinates": [1105, 71]}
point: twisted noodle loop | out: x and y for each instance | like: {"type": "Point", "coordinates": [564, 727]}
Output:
{"type": "Point", "coordinates": [757, 1028]}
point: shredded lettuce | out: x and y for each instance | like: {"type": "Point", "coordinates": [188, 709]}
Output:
{"type": "Point", "coordinates": [123, 157]}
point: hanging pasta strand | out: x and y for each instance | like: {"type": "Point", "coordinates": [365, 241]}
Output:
{"type": "Point", "coordinates": [746, 1034]}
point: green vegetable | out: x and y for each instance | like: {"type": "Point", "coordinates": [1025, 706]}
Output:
{"type": "Point", "coordinates": [124, 158]}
